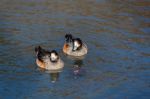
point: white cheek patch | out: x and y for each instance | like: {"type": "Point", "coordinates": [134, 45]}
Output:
{"type": "Point", "coordinates": [53, 57]}
{"type": "Point", "coordinates": [76, 45]}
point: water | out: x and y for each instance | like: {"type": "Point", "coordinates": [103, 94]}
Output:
{"type": "Point", "coordinates": [117, 65]}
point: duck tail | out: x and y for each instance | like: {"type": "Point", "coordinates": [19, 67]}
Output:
{"type": "Point", "coordinates": [37, 49]}
{"type": "Point", "coordinates": [69, 37]}
{"type": "Point", "coordinates": [40, 52]}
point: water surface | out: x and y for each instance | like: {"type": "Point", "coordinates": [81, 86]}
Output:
{"type": "Point", "coordinates": [117, 33]}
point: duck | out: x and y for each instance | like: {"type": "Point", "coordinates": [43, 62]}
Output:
{"type": "Point", "coordinates": [49, 60]}
{"type": "Point", "coordinates": [74, 46]}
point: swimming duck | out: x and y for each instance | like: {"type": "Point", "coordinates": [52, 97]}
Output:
{"type": "Point", "coordinates": [49, 60]}
{"type": "Point", "coordinates": [74, 46]}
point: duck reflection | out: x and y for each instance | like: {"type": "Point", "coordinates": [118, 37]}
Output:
{"type": "Point", "coordinates": [77, 65]}
{"type": "Point", "coordinates": [54, 75]}
{"type": "Point", "coordinates": [77, 68]}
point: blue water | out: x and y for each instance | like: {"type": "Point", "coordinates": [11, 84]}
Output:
{"type": "Point", "coordinates": [117, 33]}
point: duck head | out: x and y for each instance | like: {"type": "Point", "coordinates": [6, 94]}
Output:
{"type": "Point", "coordinates": [77, 44]}
{"type": "Point", "coordinates": [54, 57]}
